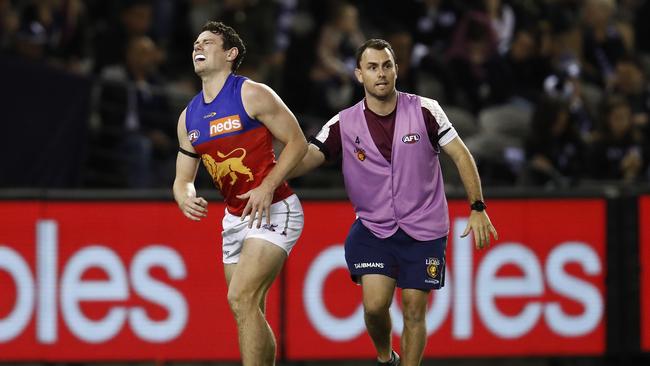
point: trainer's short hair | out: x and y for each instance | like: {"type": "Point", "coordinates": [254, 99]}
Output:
{"type": "Point", "coordinates": [230, 39]}
{"type": "Point", "coordinates": [375, 44]}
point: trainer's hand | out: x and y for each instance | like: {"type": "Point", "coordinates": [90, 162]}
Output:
{"type": "Point", "coordinates": [258, 205]}
{"type": "Point", "coordinates": [194, 208]}
{"type": "Point", "coordinates": [480, 224]}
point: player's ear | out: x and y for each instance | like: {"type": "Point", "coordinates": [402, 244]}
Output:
{"type": "Point", "coordinates": [232, 54]}
{"type": "Point", "coordinates": [359, 75]}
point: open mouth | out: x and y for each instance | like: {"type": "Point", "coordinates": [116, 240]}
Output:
{"type": "Point", "coordinates": [199, 58]}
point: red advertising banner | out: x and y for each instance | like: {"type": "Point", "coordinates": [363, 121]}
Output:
{"type": "Point", "coordinates": [538, 291]}
{"type": "Point", "coordinates": [114, 281]}
{"type": "Point", "coordinates": [94, 281]}
{"type": "Point", "coordinates": [644, 255]}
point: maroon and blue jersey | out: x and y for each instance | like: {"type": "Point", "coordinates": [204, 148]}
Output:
{"type": "Point", "coordinates": [236, 149]}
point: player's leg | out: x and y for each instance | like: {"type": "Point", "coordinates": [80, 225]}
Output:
{"type": "Point", "coordinates": [414, 335]}
{"type": "Point", "coordinates": [228, 270]}
{"type": "Point", "coordinates": [287, 221]}
{"type": "Point", "coordinates": [259, 264]}
{"type": "Point", "coordinates": [377, 296]}
{"type": "Point", "coordinates": [259, 254]}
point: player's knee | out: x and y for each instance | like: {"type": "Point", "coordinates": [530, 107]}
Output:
{"type": "Point", "coordinates": [241, 301]}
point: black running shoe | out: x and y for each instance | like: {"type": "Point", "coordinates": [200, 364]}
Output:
{"type": "Point", "coordinates": [394, 360]}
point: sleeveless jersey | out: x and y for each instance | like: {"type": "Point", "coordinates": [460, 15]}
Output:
{"type": "Point", "coordinates": [236, 149]}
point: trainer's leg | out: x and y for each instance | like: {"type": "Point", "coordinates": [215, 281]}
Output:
{"type": "Point", "coordinates": [259, 264]}
{"type": "Point", "coordinates": [414, 336]}
{"type": "Point", "coordinates": [377, 296]}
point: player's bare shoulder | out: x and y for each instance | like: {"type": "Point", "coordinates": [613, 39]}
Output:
{"type": "Point", "coordinates": [181, 127]}
{"type": "Point", "coordinates": [258, 98]}
{"type": "Point", "coordinates": [181, 118]}
{"type": "Point", "coordinates": [181, 131]}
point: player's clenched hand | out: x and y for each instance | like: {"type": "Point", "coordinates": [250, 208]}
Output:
{"type": "Point", "coordinates": [480, 224]}
{"type": "Point", "coordinates": [194, 208]}
{"type": "Point", "coordinates": [258, 205]}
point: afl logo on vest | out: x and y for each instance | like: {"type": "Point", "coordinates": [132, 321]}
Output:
{"type": "Point", "coordinates": [411, 138]}
{"type": "Point", "coordinates": [193, 135]}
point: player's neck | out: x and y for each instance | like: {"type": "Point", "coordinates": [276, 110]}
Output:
{"type": "Point", "coordinates": [212, 85]}
{"type": "Point", "coordinates": [382, 106]}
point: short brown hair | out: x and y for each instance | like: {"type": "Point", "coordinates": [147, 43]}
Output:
{"type": "Point", "coordinates": [230, 39]}
{"type": "Point", "coordinates": [375, 44]}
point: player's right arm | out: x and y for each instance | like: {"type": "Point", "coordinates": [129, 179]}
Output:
{"type": "Point", "coordinates": [193, 207]}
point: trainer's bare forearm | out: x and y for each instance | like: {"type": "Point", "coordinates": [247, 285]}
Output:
{"type": "Point", "coordinates": [313, 158]}
{"type": "Point", "coordinates": [466, 168]}
{"type": "Point", "coordinates": [470, 178]}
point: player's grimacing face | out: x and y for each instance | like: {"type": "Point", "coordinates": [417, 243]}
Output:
{"type": "Point", "coordinates": [208, 52]}
{"type": "Point", "coordinates": [377, 72]}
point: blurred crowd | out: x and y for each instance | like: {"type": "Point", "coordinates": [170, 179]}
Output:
{"type": "Point", "coordinates": [551, 93]}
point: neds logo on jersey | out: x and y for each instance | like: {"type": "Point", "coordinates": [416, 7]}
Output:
{"type": "Point", "coordinates": [225, 125]}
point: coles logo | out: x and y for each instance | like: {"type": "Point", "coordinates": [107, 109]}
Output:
{"type": "Point", "coordinates": [225, 125]}
{"type": "Point", "coordinates": [480, 290]}
{"type": "Point", "coordinates": [47, 296]}
{"type": "Point", "coordinates": [411, 138]}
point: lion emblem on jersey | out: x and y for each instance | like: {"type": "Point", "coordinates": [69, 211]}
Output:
{"type": "Point", "coordinates": [230, 166]}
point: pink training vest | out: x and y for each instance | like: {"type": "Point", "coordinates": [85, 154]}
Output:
{"type": "Point", "coordinates": [407, 194]}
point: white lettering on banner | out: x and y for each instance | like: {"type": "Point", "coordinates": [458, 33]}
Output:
{"type": "Point", "coordinates": [573, 288]}
{"type": "Point", "coordinates": [75, 290]}
{"type": "Point", "coordinates": [46, 242]}
{"type": "Point", "coordinates": [488, 288]}
{"type": "Point", "coordinates": [158, 293]}
{"type": "Point", "coordinates": [330, 326]}
{"type": "Point", "coordinates": [463, 259]}
{"type": "Point", "coordinates": [14, 323]}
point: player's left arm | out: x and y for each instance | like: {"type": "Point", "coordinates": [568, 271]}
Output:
{"type": "Point", "coordinates": [478, 222]}
{"type": "Point", "coordinates": [263, 104]}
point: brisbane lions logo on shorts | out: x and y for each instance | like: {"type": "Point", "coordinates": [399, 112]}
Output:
{"type": "Point", "coordinates": [433, 267]}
